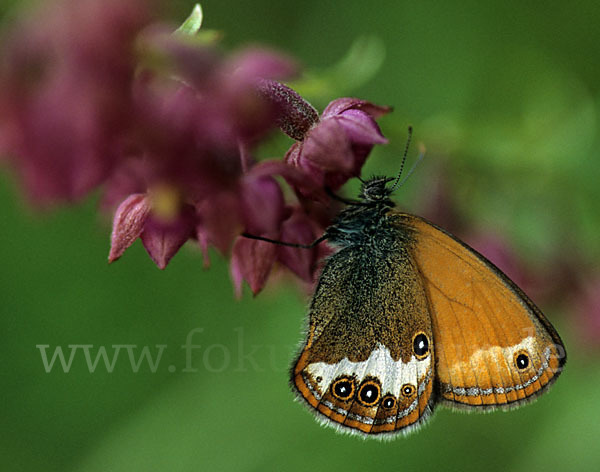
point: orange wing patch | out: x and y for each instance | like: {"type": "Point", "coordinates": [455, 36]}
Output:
{"type": "Point", "coordinates": [493, 345]}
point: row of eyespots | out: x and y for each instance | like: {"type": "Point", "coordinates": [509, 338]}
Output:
{"type": "Point", "coordinates": [369, 392]}
{"type": "Point", "coordinates": [421, 350]}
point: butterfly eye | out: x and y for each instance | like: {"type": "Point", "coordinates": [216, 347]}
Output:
{"type": "Point", "coordinates": [388, 402]}
{"type": "Point", "coordinates": [408, 390]}
{"type": "Point", "coordinates": [343, 388]}
{"type": "Point", "coordinates": [521, 360]}
{"type": "Point", "coordinates": [369, 393]}
{"type": "Point", "coordinates": [421, 345]}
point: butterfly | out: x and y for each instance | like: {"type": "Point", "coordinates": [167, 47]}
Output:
{"type": "Point", "coordinates": [406, 316]}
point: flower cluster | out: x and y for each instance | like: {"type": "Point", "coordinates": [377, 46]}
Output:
{"type": "Point", "coordinates": [97, 94]}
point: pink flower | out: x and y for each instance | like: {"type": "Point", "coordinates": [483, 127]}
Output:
{"type": "Point", "coordinates": [195, 137]}
{"type": "Point", "coordinates": [330, 149]}
{"type": "Point", "coordinates": [66, 97]}
{"type": "Point", "coordinates": [335, 148]}
{"type": "Point", "coordinates": [93, 94]}
{"type": "Point", "coordinates": [251, 261]}
{"type": "Point", "coordinates": [254, 260]}
{"type": "Point", "coordinates": [159, 219]}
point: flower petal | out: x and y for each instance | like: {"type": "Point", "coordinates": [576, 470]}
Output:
{"type": "Point", "coordinates": [299, 178]}
{"type": "Point", "coordinates": [327, 146]}
{"type": "Point", "coordinates": [298, 228]}
{"type": "Point", "coordinates": [128, 224]}
{"type": "Point", "coordinates": [219, 220]}
{"type": "Point", "coordinates": [163, 240]}
{"type": "Point", "coordinates": [340, 105]}
{"type": "Point", "coordinates": [262, 204]}
{"type": "Point", "coordinates": [360, 128]}
{"type": "Point", "coordinates": [252, 261]}
{"type": "Point", "coordinates": [309, 172]}
{"type": "Point", "coordinates": [202, 238]}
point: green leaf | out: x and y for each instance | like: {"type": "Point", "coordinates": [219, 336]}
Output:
{"type": "Point", "coordinates": [192, 24]}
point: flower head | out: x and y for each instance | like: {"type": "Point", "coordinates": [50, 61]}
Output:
{"type": "Point", "coordinates": [196, 141]}
{"type": "Point", "coordinates": [66, 93]}
{"type": "Point", "coordinates": [94, 94]}
{"type": "Point", "coordinates": [335, 148]}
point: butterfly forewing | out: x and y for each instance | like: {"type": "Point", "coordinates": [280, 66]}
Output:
{"type": "Point", "coordinates": [367, 364]}
{"type": "Point", "coordinates": [493, 345]}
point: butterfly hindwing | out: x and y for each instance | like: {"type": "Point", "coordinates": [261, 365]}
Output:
{"type": "Point", "coordinates": [493, 345]}
{"type": "Point", "coordinates": [358, 368]}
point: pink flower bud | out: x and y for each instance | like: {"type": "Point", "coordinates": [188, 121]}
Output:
{"type": "Point", "coordinates": [128, 224]}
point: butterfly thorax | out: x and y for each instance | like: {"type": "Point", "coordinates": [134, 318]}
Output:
{"type": "Point", "coordinates": [366, 223]}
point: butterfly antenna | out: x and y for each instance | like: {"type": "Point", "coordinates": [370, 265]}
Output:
{"type": "Point", "coordinates": [414, 166]}
{"type": "Point", "coordinates": [283, 243]}
{"type": "Point", "coordinates": [397, 181]}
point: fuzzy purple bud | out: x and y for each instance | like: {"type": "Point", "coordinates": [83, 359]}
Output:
{"type": "Point", "coordinates": [295, 116]}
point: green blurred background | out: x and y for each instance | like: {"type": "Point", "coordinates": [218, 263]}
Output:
{"type": "Point", "coordinates": [506, 97]}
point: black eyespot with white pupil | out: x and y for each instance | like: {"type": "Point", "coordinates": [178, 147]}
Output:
{"type": "Point", "coordinates": [522, 361]}
{"type": "Point", "coordinates": [343, 388]}
{"type": "Point", "coordinates": [408, 390]}
{"type": "Point", "coordinates": [388, 402]}
{"type": "Point", "coordinates": [421, 345]}
{"type": "Point", "coordinates": [369, 393]}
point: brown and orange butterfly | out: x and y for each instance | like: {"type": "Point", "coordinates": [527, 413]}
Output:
{"type": "Point", "coordinates": [405, 316]}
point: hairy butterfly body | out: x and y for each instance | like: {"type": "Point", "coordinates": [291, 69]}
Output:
{"type": "Point", "coordinates": [406, 316]}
